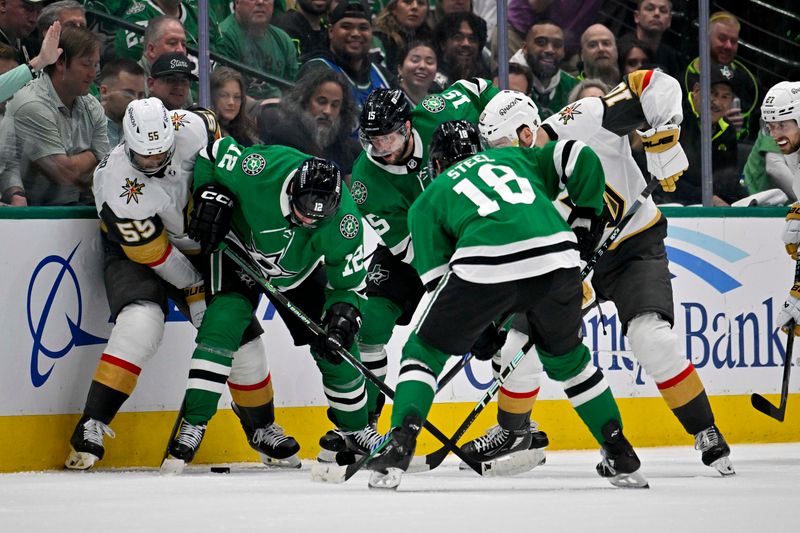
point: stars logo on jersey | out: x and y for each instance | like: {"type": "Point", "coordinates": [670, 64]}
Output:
{"type": "Point", "coordinates": [253, 164]}
{"type": "Point", "coordinates": [433, 104]}
{"type": "Point", "coordinates": [270, 265]}
{"type": "Point", "coordinates": [132, 189]}
{"type": "Point", "coordinates": [359, 192]}
{"type": "Point", "coordinates": [178, 121]}
{"type": "Point", "coordinates": [568, 113]}
{"type": "Point", "coordinates": [377, 275]}
{"type": "Point", "coordinates": [349, 226]}
{"type": "Point", "coordinates": [413, 164]}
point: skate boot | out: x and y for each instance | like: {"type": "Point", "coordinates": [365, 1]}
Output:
{"type": "Point", "coordinates": [86, 443]}
{"type": "Point", "coordinates": [267, 438]}
{"type": "Point", "coordinates": [330, 445]}
{"type": "Point", "coordinates": [392, 461]}
{"type": "Point", "coordinates": [715, 450]}
{"type": "Point", "coordinates": [514, 462]}
{"type": "Point", "coordinates": [620, 463]}
{"type": "Point", "coordinates": [183, 447]}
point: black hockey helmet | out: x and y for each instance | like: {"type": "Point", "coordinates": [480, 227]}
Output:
{"type": "Point", "coordinates": [452, 142]}
{"type": "Point", "coordinates": [315, 192]}
{"type": "Point", "coordinates": [384, 113]}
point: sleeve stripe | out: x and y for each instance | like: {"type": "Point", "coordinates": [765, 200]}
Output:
{"type": "Point", "coordinates": [151, 253]}
{"type": "Point", "coordinates": [162, 258]}
{"type": "Point", "coordinates": [565, 157]}
{"type": "Point", "coordinates": [574, 153]}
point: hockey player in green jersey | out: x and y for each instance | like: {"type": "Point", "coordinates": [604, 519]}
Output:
{"type": "Point", "coordinates": [634, 272]}
{"type": "Point", "coordinates": [488, 242]}
{"type": "Point", "coordinates": [290, 215]}
{"type": "Point", "coordinates": [387, 178]}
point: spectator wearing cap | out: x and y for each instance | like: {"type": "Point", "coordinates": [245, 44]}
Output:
{"type": "Point", "coordinates": [542, 52]}
{"type": "Point", "coordinates": [727, 187]}
{"type": "Point", "coordinates": [60, 129]}
{"type": "Point", "coordinates": [17, 22]}
{"type": "Point", "coordinates": [248, 36]}
{"type": "Point", "coordinates": [306, 26]}
{"type": "Point", "coordinates": [130, 44]}
{"type": "Point", "coordinates": [723, 37]}
{"type": "Point", "coordinates": [459, 39]}
{"type": "Point", "coordinates": [121, 81]}
{"type": "Point", "coordinates": [350, 34]}
{"type": "Point", "coordinates": [652, 19]}
{"type": "Point", "coordinates": [170, 80]}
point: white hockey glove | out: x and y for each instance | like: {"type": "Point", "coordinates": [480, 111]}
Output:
{"type": "Point", "coordinates": [665, 157]}
{"type": "Point", "coordinates": [791, 310]}
{"type": "Point", "coordinates": [196, 298]}
{"type": "Point", "coordinates": [791, 230]}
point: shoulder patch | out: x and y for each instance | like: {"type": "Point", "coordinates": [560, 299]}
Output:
{"type": "Point", "coordinates": [349, 226]}
{"type": "Point", "coordinates": [132, 190]}
{"type": "Point", "coordinates": [433, 103]}
{"type": "Point", "coordinates": [359, 192]}
{"type": "Point", "coordinates": [137, 7]}
{"type": "Point", "coordinates": [253, 164]}
{"type": "Point", "coordinates": [178, 120]}
{"type": "Point", "coordinates": [569, 112]}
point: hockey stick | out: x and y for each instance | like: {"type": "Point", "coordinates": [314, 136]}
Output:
{"type": "Point", "coordinates": [615, 233]}
{"type": "Point", "coordinates": [759, 402]}
{"type": "Point", "coordinates": [273, 294]}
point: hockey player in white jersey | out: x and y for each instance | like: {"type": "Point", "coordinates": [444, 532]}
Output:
{"type": "Point", "coordinates": [634, 272]}
{"type": "Point", "coordinates": [780, 112]}
{"type": "Point", "coordinates": [142, 191]}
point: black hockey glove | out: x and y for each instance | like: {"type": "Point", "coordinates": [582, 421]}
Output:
{"type": "Point", "coordinates": [489, 343]}
{"type": "Point", "coordinates": [211, 219]}
{"type": "Point", "coordinates": [588, 228]}
{"type": "Point", "coordinates": [341, 322]}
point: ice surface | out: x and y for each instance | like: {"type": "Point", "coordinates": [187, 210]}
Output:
{"type": "Point", "coordinates": [565, 494]}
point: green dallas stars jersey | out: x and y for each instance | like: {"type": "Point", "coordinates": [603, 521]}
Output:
{"type": "Point", "coordinates": [490, 218]}
{"type": "Point", "coordinates": [384, 193]}
{"type": "Point", "coordinates": [258, 178]}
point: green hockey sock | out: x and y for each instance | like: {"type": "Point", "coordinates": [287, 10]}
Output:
{"type": "Point", "coordinates": [208, 375]}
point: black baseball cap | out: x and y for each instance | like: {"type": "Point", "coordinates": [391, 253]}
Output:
{"type": "Point", "coordinates": [349, 9]}
{"type": "Point", "coordinates": [719, 74]}
{"type": "Point", "coordinates": [173, 63]}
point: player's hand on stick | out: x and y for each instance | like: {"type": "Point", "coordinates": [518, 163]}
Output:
{"type": "Point", "coordinates": [791, 310]}
{"type": "Point", "coordinates": [791, 230]}
{"type": "Point", "coordinates": [489, 342]}
{"type": "Point", "coordinates": [666, 159]}
{"type": "Point", "coordinates": [211, 219]}
{"type": "Point", "coordinates": [588, 228]}
{"type": "Point", "coordinates": [341, 323]}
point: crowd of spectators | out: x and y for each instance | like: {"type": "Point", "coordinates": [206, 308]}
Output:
{"type": "Point", "coordinates": [322, 58]}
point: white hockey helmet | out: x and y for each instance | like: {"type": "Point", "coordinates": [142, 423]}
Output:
{"type": "Point", "coordinates": [148, 131]}
{"type": "Point", "coordinates": [504, 115]}
{"type": "Point", "coordinates": [782, 102]}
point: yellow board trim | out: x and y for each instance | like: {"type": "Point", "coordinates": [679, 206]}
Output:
{"type": "Point", "coordinates": [40, 442]}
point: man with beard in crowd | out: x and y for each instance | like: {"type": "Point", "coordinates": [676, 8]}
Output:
{"type": "Point", "coordinates": [304, 25]}
{"type": "Point", "coordinates": [599, 55]}
{"type": "Point", "coordinates": [350, 34]}
{"type": "Point", "coordinates": [459, 39]}
{"type": "Point", "coordinates": [316, 117]}
{"type": "Point", "coordinates": [542, 52]}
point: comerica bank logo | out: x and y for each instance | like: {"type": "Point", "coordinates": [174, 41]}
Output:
{"type": "Point", "coordinates": [55, 311]}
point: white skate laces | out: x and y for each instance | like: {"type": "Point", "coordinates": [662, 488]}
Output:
{"type": "Point", "coordinates": [272, 435]}
{"type": "Point", "coordinates": [706, 439]}
{"type": "Point", "coordinates": [366, 438]}
{"type": "Point", "coordinates": [191, 436]}
{"type": "Point", "coordinates": [93, 431]}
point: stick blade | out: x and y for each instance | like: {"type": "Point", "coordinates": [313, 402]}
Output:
{"type": "Point", "coordinates": [762, 404]}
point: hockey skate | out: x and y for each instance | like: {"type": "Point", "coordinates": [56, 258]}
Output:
{"type": "Point", "coordinates": [86, 443]}
{"type": "Point", "coordinates": [333, 447]}
{"type": "Point", "coordinates": [503, 453]}
{"type": "Point", "coordinates": [620, 463]}
{"type": "Point", "coordinates": [183, 447]}
{"type": "Point", "coordinates": [715, 451]}
{"type": "Point", "coordinates": [274, 447]}
{"type": "Point", "coordinates": [390, 464]}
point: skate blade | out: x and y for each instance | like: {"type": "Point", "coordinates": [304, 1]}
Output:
{"type": "Point", "coordinates": [80, 460]}
{"type": "Point", "coordinates": [172, 466]}
{"type": "Point", "coordinates": [326, 456]}
{"type": "Point", "coordinates": [389, 480]}
{"type": "Point", "coordinates": [724, 466]}
{"type": "Point", "coordinates": [289, 462]}
{"type": "Point", "coordinates": [634, 480]}
{"type": "Point", "coordinates": [328, 472]}
{"type": "Point", "coordinates": [515, 463]}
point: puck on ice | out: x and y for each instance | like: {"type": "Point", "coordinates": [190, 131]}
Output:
{"type": "Point", "coordinates": [220, 470]}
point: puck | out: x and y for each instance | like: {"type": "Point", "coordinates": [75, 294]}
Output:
{"type": "Point", "coordinates": [220, 470]}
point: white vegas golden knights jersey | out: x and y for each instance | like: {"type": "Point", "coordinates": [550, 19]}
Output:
{"type": "Point", "coordinates": [135, 208]}
{"type": "Point", "coordinates": [603, 123]}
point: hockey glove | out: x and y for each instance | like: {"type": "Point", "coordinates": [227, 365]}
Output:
{"type": "Point", "coordinates": [341, 323]}
{"type": "Point", "coordinates": [588, 228]}
{"type": "Point", "coordinates": [791, 310]}
{"type": "Point", "coordinates": [666, 159]}
{"type": "Point", "coordinates": [196, 299]}
{"type": "Point", "coordinates": [589, 296]}
{"type": "Point", "coordinates": [791, 230]}
{"type": "Point", "coordinates": [489, 343]}
{"type": "Point", "coordinates": [211, 219]}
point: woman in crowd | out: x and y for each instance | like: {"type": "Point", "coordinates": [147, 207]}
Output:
{"type": "Point", "coordinates": [400, 22]}
{"type": "Point", "coordinates": [416, 71]}
{"type": "Point", "coordinates": [633, 55]}
{"type": "Point", "coordinates": [586, 88]}
{"type": "Point", "coordinates": [227, 101]}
